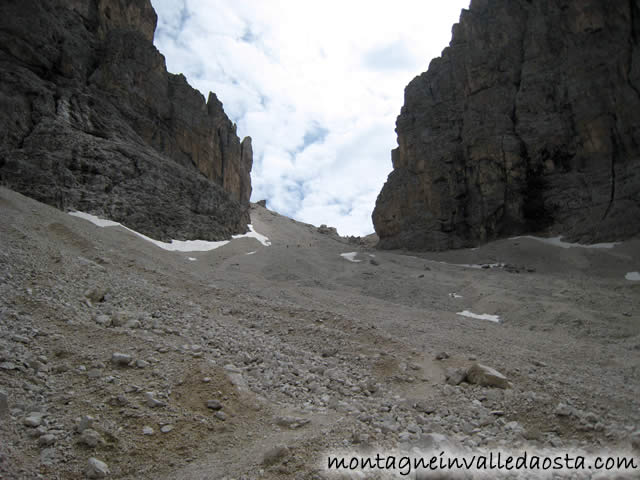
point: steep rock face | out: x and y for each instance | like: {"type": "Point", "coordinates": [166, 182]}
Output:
{"type": "Point", "coordinates": [91, 120]}
{"type": "Point", "coordinates": [528, 122]}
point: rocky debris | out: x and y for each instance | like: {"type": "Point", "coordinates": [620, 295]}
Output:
{"type": "Point", "coordinates": [315, 375]}
{"type": "Point", "coordinates": [323, 229]}
{"type": "Point", "coordinates": [500, 135]}
{"type": "Point", "coordinates": [262, 203]}
{"type": "Point", "coordinates": [486, 376]}
{"type": "Point", "coordinates": [96, 468]}
{"type": "Point", "coordinates": [442, 356]}
{"type": "Point", "coordinates": [635, 440]}
{"type": "Point", "coordinates": [94, 122]}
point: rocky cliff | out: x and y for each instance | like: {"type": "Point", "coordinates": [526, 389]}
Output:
{"type": "Point", "coordinates": [91, 120]}
{"type": "Point", "coordinates": [528, 122]}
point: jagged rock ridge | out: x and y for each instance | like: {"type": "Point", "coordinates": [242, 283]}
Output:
{"type": "Point", "coordinates": [528, 122]}
{"type": "Point", "coordinates": [92, 120]}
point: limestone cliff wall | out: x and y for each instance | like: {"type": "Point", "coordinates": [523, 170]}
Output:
{"type": "Point", "coordinates": [90, 119]}
{"type": "Point", "coordinates": [528, 122]}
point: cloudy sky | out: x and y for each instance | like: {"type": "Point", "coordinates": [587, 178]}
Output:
{"type": "Point", "coordinates": [316, 84]}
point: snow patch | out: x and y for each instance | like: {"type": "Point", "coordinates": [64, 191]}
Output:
{"type": "Point", "coordinates": [557, 242]}
{"type": "Point", "coordinates": [455, 295]}
{"type": "Point", "coordinates": [351, 256]}
{"type": "Point", "coordinates": [174, 245]}
{"type": "Point", "coordinates": [484, 316]}
{"type": "Point", "coordinates": [253, 234]}
{"type": "Point", "coordinates": [251, 253]}
{"type": "Point", "coordinates": [633, 276]}
{"type": "Point", "coordinates": [191, 259]}
{"type": "Point", "coordinates": [95, 220]}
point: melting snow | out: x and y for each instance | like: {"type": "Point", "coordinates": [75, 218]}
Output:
{"type": "Point", "coordinates": [175, 245]}
{"type": "Point", "coordinates": [253, 234]}
{"type": "Point", "coordinates": [557, 241]}
{"type": "Point", "coordinates": [95, 220]}
{"type": "Point", "coordinates": [351, 256]}
{"type": "Point", "coordinates": [485, 316]}
{"type": "Point", "coordinates": [633, 276]}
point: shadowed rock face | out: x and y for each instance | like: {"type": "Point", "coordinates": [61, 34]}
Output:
{"type": "Point", "coordinates": [91, 120]}
{"type": "Point", "coordinates": [529, 122]}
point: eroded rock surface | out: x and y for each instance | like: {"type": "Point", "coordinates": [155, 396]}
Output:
{"type": "Point", "coordinates": [91, 120]}
{"type": "Point", "coordinates": [529, 122]}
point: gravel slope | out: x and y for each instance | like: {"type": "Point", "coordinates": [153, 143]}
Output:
{"type": "Point", "coordinates": [257, 365]}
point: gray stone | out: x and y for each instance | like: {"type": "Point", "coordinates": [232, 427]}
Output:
{"type": "Point", "coordinates": [121, 359]}
{"type": "Point", "coordinates": [292, 422]}
{"type": "Point", "coordinates": [96, 468]}
{"type": "Point", "coordinates": [91, 438]}
{"type": "Point", "coordinates": [486, 376]}
{"type": "Point", "coordinates": [563, 410]}
{"type": "Point", "coordinates": [8, 366]}
{"type": "Point", "coordinates": [220, 415]}
{"type": "Point", "coordinates": [214, 405]}
{"type": "Point", "coordinates": [166, 428]}
{"type": "Point", "coordinates": [635, 440]}
{"type": "Point", "coordinates": [46, 440]}
{"type": "Point", "coordinates": [85, 422]}
{"type": "Point", "coordinates": [104, 320]}
{"type": "Point", "coordinates": [142, 363]}
{"type": "Point", "coordinates": [34, 419]}
{"type": "Point", "coordinates": [147, 430]}
{"type": "Point", "coordinates": [152, 401]}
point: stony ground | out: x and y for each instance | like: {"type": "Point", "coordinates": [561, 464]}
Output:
{"type": "Point", "coordinates": [240, 365]}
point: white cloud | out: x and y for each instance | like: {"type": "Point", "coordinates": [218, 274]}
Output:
{"type": "Point", "coordinates": [317, 85]}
